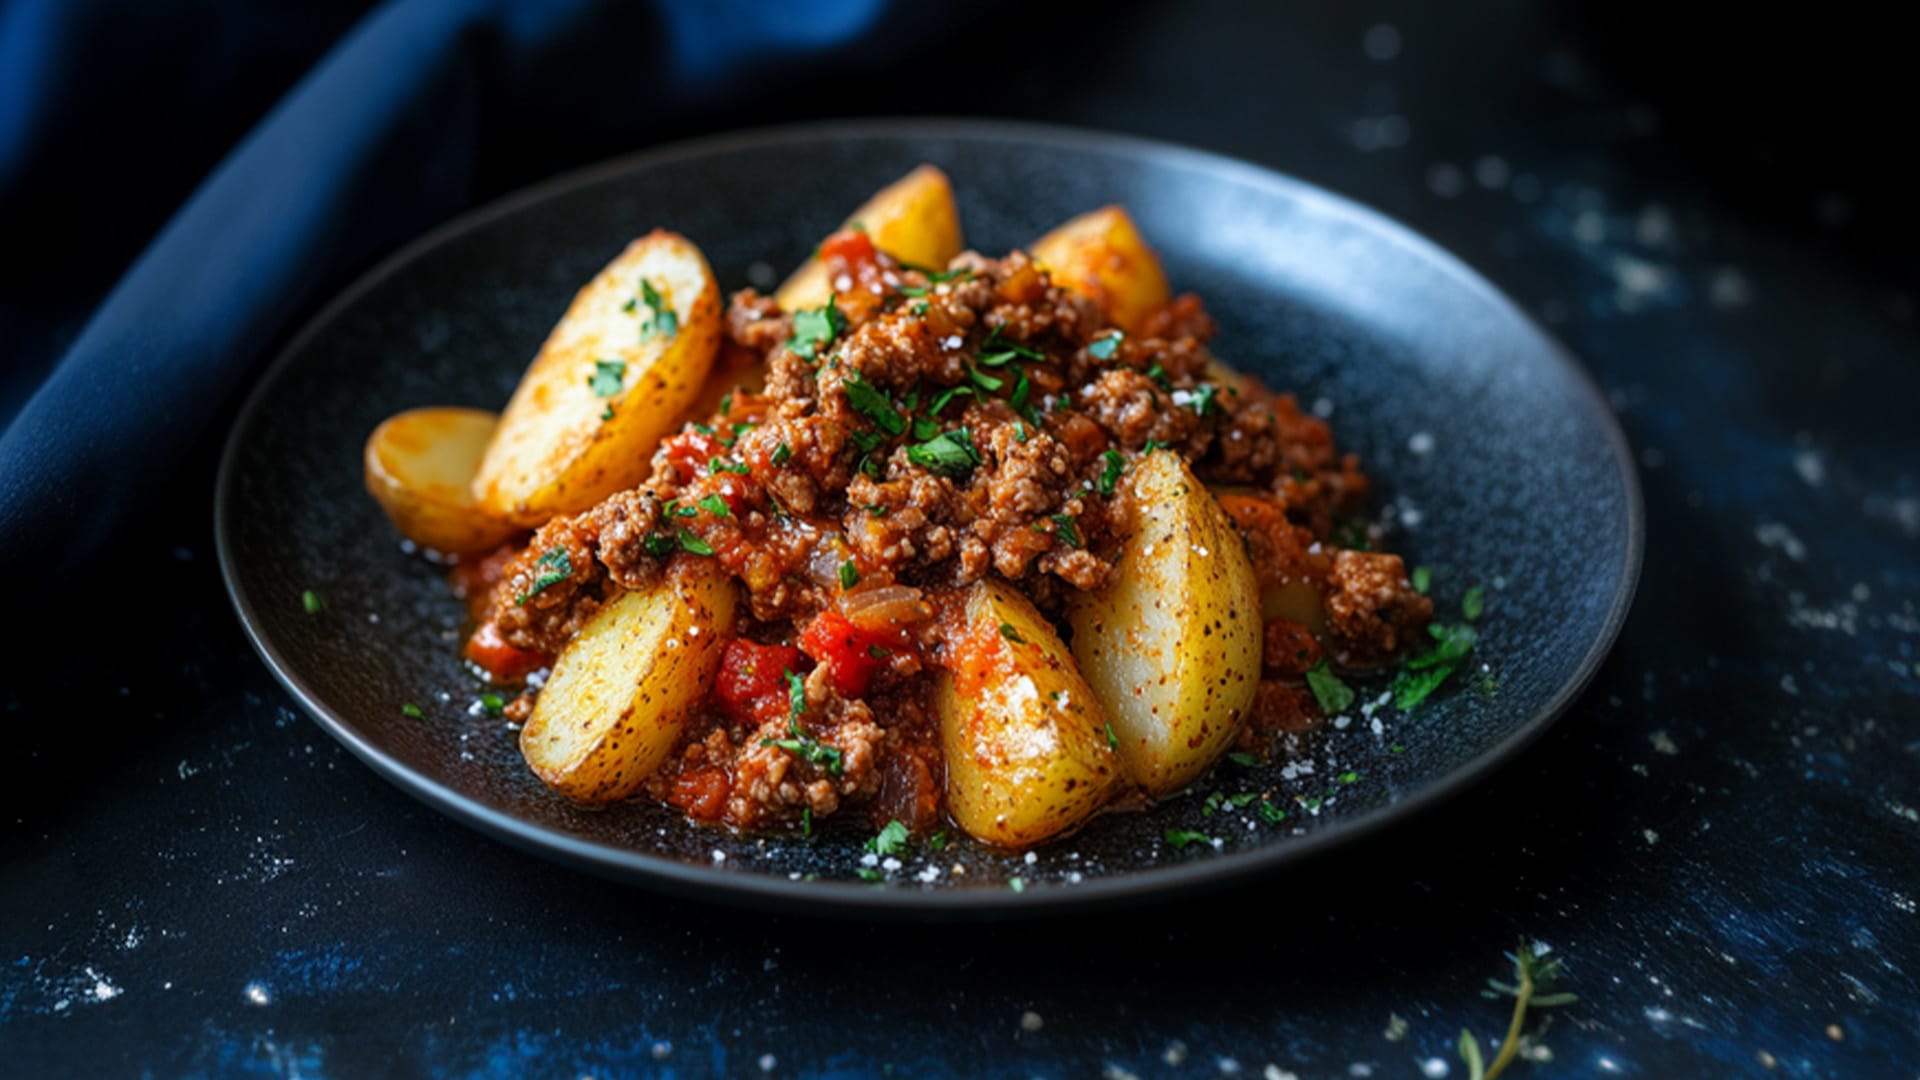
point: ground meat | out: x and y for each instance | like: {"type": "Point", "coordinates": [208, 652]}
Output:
{"type": "Point", "coordinates": [1372, 609]}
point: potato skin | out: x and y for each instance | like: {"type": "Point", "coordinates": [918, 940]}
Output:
{"type": "Point", "coordinates": [1172, 645]}
{"type": "Point", "coordinates": [1102, 256]}
{"type": "Point", "coordinates": [914, 219]}
{"type": "Point", "coordinates": [419, 465]}
{"type": "Point", "coordinates": [563, 445]}
{"type": "Point", "coordinates": [625, 687]}
{"type": "Point", "coordinates": [1025, 739]}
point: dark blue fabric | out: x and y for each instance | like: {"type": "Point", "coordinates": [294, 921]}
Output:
{"type": "Point", "coordinates": [110, 111]}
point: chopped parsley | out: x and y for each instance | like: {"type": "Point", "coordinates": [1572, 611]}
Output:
{"type": "Point", "coordinates": [1152, 445]}
{"type": "Point", "coordinates": [662, 321]}
{"type": "Point", "coordinates": [815, 330]}
{"type": "Point", "coordinates": [555, 567]}
{"type": "Point", "coordinates": [799, 742]}
{"type": "Point", "coordinates": [1422, 578]}
{"type": "Point", "coordinates": [891, 840]}
{"type": "Point", "coordinates": [606, 413]}
{"type": "Point", "coordinates": [1423, 674]}
{"type": "Point", "coordinates": [719, 465]}
{"type": "Point", "coordinates": [938, 841]}
{"type": "Point", "coordinates": [693, 545]}
{"type": "Point", "coordinates": [1020, 431]}
{"type": "Point", "coordinates": [1102, 348]}
{"type": "Point", "coordinates": [950, 454]}
{"type": "Point", "coordinates": [310, 601]}
{"type": "Point", "coordinates": [1159, 375]}
{"type": "Point", "coordinates": [1110, 476]}
{"type": "Point", "coordinates": [878, 652]}
{"type": "Point", "coordinates": [782, 454]}
{"type": "Point", "coordinates": [946, 396]}
{"type": "Point", "coordinates": [1065, 528]}
{"type": "Point", "coordinates": [609, 376]}
{"type": "Point", "coordinates": [1022, 390]}
{"type": "Point", "coordinates": [726, 403]}
{"type": "Point", "coordinates": [919, 309]}
{"type": "Point", "coordinates": [1182, 838]}
{"type": "Point", "coordinates": [1333, 695]}
{"type": "Point", "coordinates": [1272, 814]}
{"type": "Point", "coordinates": [806, 822]}
{"type": "Point", "coordinates": [1017, 884]}
{"type": "Point", "coordinates": [868, 401]}
{"type": "Point", "coordinates": [717, 506]}
{"type": "Point", "coordinates": [412, 711]}
{"type": "Point", "coordinates": [985, 381]}
{"type": "Point", "coordinates": [659, 546]}
{"type": "Point", "coordinates": [1474, 603]}
{"type": "Point", "coordinates": [1007, 631]}
{"type": "Point", "coordinates": [868, 873]}
{"type": "Point", "coordinates": [493, 703]}
{"type": "Point", "coordinates": [1113, 741]}
{"type": "Point", "coordinates": [1202, 398]}
{"type": "Point", "coordinates": [849, 574]}
{"type": "Point", "coordinates": [1243, 759]}
{"type": "Point", "coordinates": [1348, 777]}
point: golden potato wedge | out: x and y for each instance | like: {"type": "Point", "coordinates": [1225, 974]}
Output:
{"type": "Point", "coordinates": [914, 219]}
{"type": "Point", "coordinates": [1026, 742]}
{"type": "Point", "coordinates": [625, 687]}
{"type": "Point", "coordinates": [615, 375]}
{"type": "Point", "coordinates": [1102, 256]}
{"type": "Point", "coordinates": [1172, 645]}
{"type": "Point", "coordinates": [419, 466]}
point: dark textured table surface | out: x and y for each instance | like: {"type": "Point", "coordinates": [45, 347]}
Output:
{"type": "Point", "coordinates": [1719, 840]}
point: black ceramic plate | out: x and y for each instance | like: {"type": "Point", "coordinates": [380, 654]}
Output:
{"type": "Point", "coordinates": [1494, 457]}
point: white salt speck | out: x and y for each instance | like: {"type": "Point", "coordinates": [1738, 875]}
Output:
{"type": "Point", "coordinates": [1446, 180]}
{"type": "Point", "coordinates": [1340, 723]}
{"type": "Point", "coordinates": [1411, 517]}
{"type": "Point", "coordinates": [890, 864]}
{"type": "Point", "coordinates": [1663, 743]}
{"type": "Point", "coordinates": [663, 1048]}
{"type": "Point", "coordinates": [1810, 466]}
{"type": "Point", "coordinates": [951, 342]}
{"type": "Point", "coordinates": [1607, 1064]}
{"type": "Point", "coordinates": [1787, 684]}
{"type": "Point", "coordinates": [1421, 442]}
{"type": "Point", "coordinates": [1491, 172]}
{"type": "Point", "coordinates": [1435, 1068]}
{"type": "Point", "coordinates": [767, 1062]}
{"type": "Point", "coordinates": [1322, 407]}
{"type": "Point", "coordinates": [1637, 281]}
{"type": "Point", "coordinates": [1175, 1053]}
{"type": "Point", "coordinates": [1381, 42]}
{"type": "Point", "coordinates": [1030, 1021]}
{"type": "Point", "coordinates": [928, 876]}
{"type": "Point", "coordinates": [1652, 837]}
{"type": "Point", "coordinates": [1654, 227]}
{"type": "Point", "coordinates": [1658, 1015]}
{"type": "Point", "coordinates": [1360, 1068]}
{"type": "Point", "coordinates": [103, 988]}
{"type": "Point", "coordinates": [373, 617]}
{"type": "Point", "coordinates": [1772, 534]}
{"type": "Point", "coordinates": [257, 994]}
{"type": "Point", "coordinates": [1031, 858]}
{"type": "Point", "coordinates": [719, 856]}
{"type": "Point", "coordinates": [1227, 1066]}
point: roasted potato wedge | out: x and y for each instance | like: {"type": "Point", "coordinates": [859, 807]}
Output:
{"type": "Point", "coordinates": [627, 684]}
{"type": "Point", "coordinates": [1171, 646]}
{"type": "Point", "coordinates": [1102, 256]}
{"type": "Point", "coordinates": [619, 369]}
{"type": "Point", "coordinates": [419, 467]}
{"type": "Point", "coordinates": [1025, 740]}
{"type": "Point", "coordinates": [914, 219]}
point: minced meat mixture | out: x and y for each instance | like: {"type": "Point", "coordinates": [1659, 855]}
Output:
{"type": "Point", "coordinates": [923, 430]}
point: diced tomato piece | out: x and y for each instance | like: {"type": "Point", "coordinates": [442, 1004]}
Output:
{"type": "Point", "coordinates": [503, 661]}
{"type": "Point", "coordinates": [690, 451]}
{"type": "Point", "coordinates": [751, 686]}
{"type": "Point", "coordinates": [701, 793]}
{"type": "Point", "coordinates": [850, 654]}
{"type": "Point", "coordinates": [852, 249]}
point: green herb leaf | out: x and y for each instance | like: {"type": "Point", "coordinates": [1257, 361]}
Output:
{"type": "Point", "coordinates": [606, 413]}
{"type": "Point", "coordinates": [609, 376]}
{"type": "Point", "coordinates": [1203, 399]}
{"type": "Point", "coordinates": [806, 822]}
{"type": "Point", "coordinates": [868, 873]}
{"type": "Point", "coordinates": [782, 454]}
{"type": "Point", "coordinates": [659, 545]}
{"type": "Point", "coordinates": [1017, 884]}
{"type": "Point", "coordinates": [1243, 759]}
{"type": "Point", "coordinates": [1065, 528]}
{"type": "Point", "coordinates": [1348, 777]}
{"type": "Point", "coordinates": [868, 401]}
{"type": "Point", "coordinates": [720, 465]}
{"type": "Point", "coordinates": [938, 841]}
{"type": "Point", "coordinates": [1102, 348]}
{"type": "Point", "coordinates": [412, 711]}
{"type": "Point", "coordinates": [662, 321]}
{"type": "Point", "coordinates": [1271, 814]}
{"type": "Point", "coordinates": [1453, 642]}
{"type": "Point", "coordinates": [1007, 631]}
{"type": "Point", "coordinates": [310, 602]}
{"type": "Point", "coordinates": [1474, 603]}
{"type": "Point", "coordinates": [1181, 838]}
{"type": "Point", "coordinates": [950, 454]}
{"type": "Point", "coordinates": [1422, 578]}
{"type": "Point", "coordinates": [1411, 686]}
{"type": "Point", "coordinates": [1110, 476]}
{"type": "Point", "coordinates": [693, 545]}
{"type": "Point", "coordinates": [849, 575]}
{"type": "Point", "coordinates": [1113, 741]}
{"type": "Point", "coordinates": [815, 330]}
{"type": "Point", "coordinates": [985, 381]}
{"type": "Point", "coordinates": [555, 567]}
{"type": "Point", "coordinates": [891, 840]}
{"type": "Point", "coordinates": [1333, 695]}
{"type": "Point", "coordinates": [947, 395]}
{"type": "Point", "coordinates": [717, 506]}
{"type": "Point", "coordinates": [1159, 375]}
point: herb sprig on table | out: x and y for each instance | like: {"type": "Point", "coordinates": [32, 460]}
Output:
{"type": "Point", "coordinates": [1535, 970]}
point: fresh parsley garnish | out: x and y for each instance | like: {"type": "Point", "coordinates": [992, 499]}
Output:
{"type": "Point", "coordinates": [720, 465]}
{"type": "Point", "coordinates": [1423, 674]}
{"type": "Point", "coordinates": [310, 601]}
{"type": "Point", "coordinates": [799, 742]}
{"type": "Point", "coordinates": [782, 454]}
{"type": "Point", "coordinates": [1182, 838]}
{"type": "Point", "coordinates": [1007, 631]}
{"type": "Point", "coordinates": [868, 873]}
{"type": "Point", "coordinates": [985, 381]}
{"type": "Point", "coordinates": [815, 330]}
{"type": "Point", "coordinates": [949, 454]}
{"type": "Point", "coordinates": [1065, 528]}
{"type": "Point", "coordinates": [1017, 884]}
{"type": "Point", "coordinates": [1474, 603]}
{"type": "Point", "coordinates": [608, 377]}
{"type": "Point", "coordinates": [1159, 375]}
{"type": "Point", "coordinates": [555, 567]}
{"type": "Point", "coordinates": [412, 711]}
{"type": "Point", "coordinates": [715, 505]}
{"type": "Point", "coordinates": [661, 321]}
{"type": "Point", "coordinates": [1204, 399]}
{"type": "Point", "coordinates": [1422, 578]}
{"type": "Point", "coordinates": [891, 840]}
{"type": "Point", "coordinates": [659, 545]}
{"type": "Point", "coordinates": [1102, 348]}
{"type": "Point", "coordinates": [1110, 476]}
{"type": "Point", "coordinates": [940, 402]}
{"type": "Point", "coordinates": [849, 575]}
{"type": "Point", "coordinates": [1271, 814]}
{"type": "Point", "coordinates": [868, 401]}
{"type": "Point", "coordinates": [493, 703]}
{"type": "Point", "coordinates": [693, 545]}
{"type": "Point", "coordinates": [1333, 695]}
{"type": "Point", "coordinates": [1243, 759]}
{"type": "Point", "coordinates": [1113, 741]}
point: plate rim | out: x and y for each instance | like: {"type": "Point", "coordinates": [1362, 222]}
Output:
{"type": "Point", "coordinates": [635, 866]}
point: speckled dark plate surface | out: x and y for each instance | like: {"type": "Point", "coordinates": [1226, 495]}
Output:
{"type": "Point", "coordinates": [1495, 460]}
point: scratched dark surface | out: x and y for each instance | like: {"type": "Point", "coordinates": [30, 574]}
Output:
{"type": "Point", "coordinates": [1720, 839]}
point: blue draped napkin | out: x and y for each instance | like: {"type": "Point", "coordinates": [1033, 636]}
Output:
{"type": "Point", "coordinates": [405, 115]}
